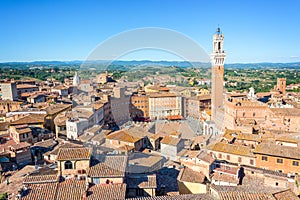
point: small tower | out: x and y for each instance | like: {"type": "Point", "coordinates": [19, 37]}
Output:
{"type": "Point", "coordinates": [281, 85]}
{"type": "Point", "coordinates": [76, 82]}
{"type": "Point", "coordinates": [217, 60]}
{"type": "Point", "coordinates": [251, 95]}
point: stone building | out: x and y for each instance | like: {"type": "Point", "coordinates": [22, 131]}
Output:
{"type": "Point", "coordinates": [21, 133]}
{"type": "Point", "coordinates": [81, 118]}
{"type": "Point", "coordinates": [9, 106]}
{"type": "Point", "coordinates": [73, 161]}
{"type": "Point", "coordinates": [281, 85]}
{"type": "Point", "coordinates": [191, 182]}
{"type": "Point", "coordinates": [26, 88]}
{"type": "Point", "coordinates": [52, 112]}
{"type": "Point", "coordinates": [102, 78]}
{"type": "Point", "coordinates": [239, 111]}
{"type": "Point", "coordinates": [171, 146]}
{"type": "Point", "coordinates": [139, 106]}
{"type": "Point", "coordinates": [279, 158]}
{"type": "Point", "coordinates": [108, 170]}
{"type": "Point", "coordinates": [141, 185]}
{"type": "Point", "coordinates": [195, 105]}
{"type": "Point", "coordinates": [119, 103]}
{"type": "Point", "coordinates": [163, 105]}
{"type": "Point", "coordinates": [8, 90]}
{"type": "Point", "coordinates": [233, 153]}
{"type": "Point", "coordinates": [123, 138]}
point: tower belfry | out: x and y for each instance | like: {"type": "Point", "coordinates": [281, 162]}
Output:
{"type": "Point", "coordinates": [217, 60]}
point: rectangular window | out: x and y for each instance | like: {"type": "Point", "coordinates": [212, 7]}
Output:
{"type": "Point", "coordinates": [279, 160]}
{"type": "Point", "coordinates": [220, 155]}
{"type": "Point", "coordinates": [295, 163]}
{"type": "Point", "coordinates": [251, 162]}
{"type": "Point", "coordinates": [239, 159]}
{"type": "Point", "coordinates": [265, 158]}
{"type": "Point", "coordinates": [96, 180]}
{"type": "Point", "coordinates": [228, 157]}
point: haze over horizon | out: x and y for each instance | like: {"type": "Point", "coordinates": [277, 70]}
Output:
{"type": "Point", "coordinates": [67, 30]}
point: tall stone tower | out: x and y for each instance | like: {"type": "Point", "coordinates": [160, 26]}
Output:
{"type": "Point", "coordinates": [76, 82]}
{"type": "Point", "coordinates": [217, 60]}
{"type": "Point", "coordinates": [281, 85]}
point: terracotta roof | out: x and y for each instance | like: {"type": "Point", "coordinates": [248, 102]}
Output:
{"type": "Point", "coordinates": [143, 162]}
{"type": "Point", "coordinates": [109, 166]}
{"type": "Point", "coordinates": [71, 189]}
{"type": "Point", "coordinates": [286, 111]}
{"type": "Point", "coordinates": [206, 157]}
{"type": "Point", "coordinates": [141, 181]}
{"type": "Point", "coordinates": [23, 130]}
{"type": "Point", "coordinates": [123, 135]}
{"type": "Point", "coordinates": [248, 137]}
{"type": "Point", "coordinates": [20, 145]}
{"type": "Point", "coordinates": [278, 150]}
{"type": "Point", "coordinates": [41, 191]}
{"type": "Point", "coordinates": [54, 109]}
{"type": "Point", "coordinates": [188, 175]}
{"type": "Point", "coordinates": [24, 86]}
{"type": "Point", "coordinates": [4, 126]}
{"type": "Point", "coordinates": [160, 95]}
{"type": "Point", "coordinates": [200, 98]}
{"type": "Point", "coordinates": [60, 146]}
{"type": "Point", "coordinates": [250, 193]}
{"type": "Point", "coordinates": [177, 197]}
{"type": "Point", "coordinates": [81, 112]}
{"type": "Point", "coordinates": [73, 153]}
{"type": "Point", "coordinates": [170, 140]}
{"type": "Point", "coordinates": [94, 129]}
{"type": "Point", "coordinates": [125, 148]}
{"type": "Point", "coordinates": [231, 134]}
{"type": "Point", "coordinates": [291, 138]}
{"type": "Point", "coordinates": [61, 118]}
{"type": "Point", "coordinates": [46, 143]}
{"type": "Point", "coordinates": [285, 195]}
{"type": "Point", "coordinates": [174, 117]}
{"type": "Point", "coordinates": [60, 87]}
{"type": "Point", "coordinates": [38, 179]}
{"type": "Point", "coordinates": [30, 119]}
{"type": "Point", "coordinates": [231, 149]}
{"type": "Point", "coordinates": [190, 153]}
{"type": "Point", "coordinates": [107, 192]}
{"type": "Point", "coordinates": [98, 105]}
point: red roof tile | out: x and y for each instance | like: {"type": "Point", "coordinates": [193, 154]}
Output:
{"type": "Point", "coordinates": [73, 153]}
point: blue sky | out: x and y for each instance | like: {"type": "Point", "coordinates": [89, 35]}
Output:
{"type": "Point", "coordinates": [255, 31]}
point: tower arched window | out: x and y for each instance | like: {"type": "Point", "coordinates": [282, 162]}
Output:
{"type": "Point", "coordinates": [68, 165]}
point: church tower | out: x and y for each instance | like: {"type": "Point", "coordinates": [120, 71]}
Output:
{"type": "Point", "coordinates": [76, 82]}
{"type": "Point", "coordinates": [217, 60]}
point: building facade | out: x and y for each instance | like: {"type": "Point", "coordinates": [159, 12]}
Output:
{"type": "Point", "coordinates": [8, 91]}
{"type": "Point", "coordinates": [139, 106]}
{"type": "Point", "coordinates": [163, 105]}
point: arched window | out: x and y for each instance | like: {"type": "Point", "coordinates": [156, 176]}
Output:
{"type": "Point", "coordinates": [68, 165]}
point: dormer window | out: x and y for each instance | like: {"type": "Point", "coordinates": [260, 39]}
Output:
{"type": "Point", "coordinates": [68, 165]}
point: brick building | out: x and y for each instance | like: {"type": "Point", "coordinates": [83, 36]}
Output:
{"type": "Point", "coordinates": [162, 105]}
{"type": "Point", "coordinates": [195, 105]}
{"type": "Point", "coordinates": [279, 158]}
{"type": "Point", "coordinates": [139, 106]}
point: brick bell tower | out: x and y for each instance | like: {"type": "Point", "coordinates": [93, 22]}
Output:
{"type": "Point", "coordinates": [217, 60]}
